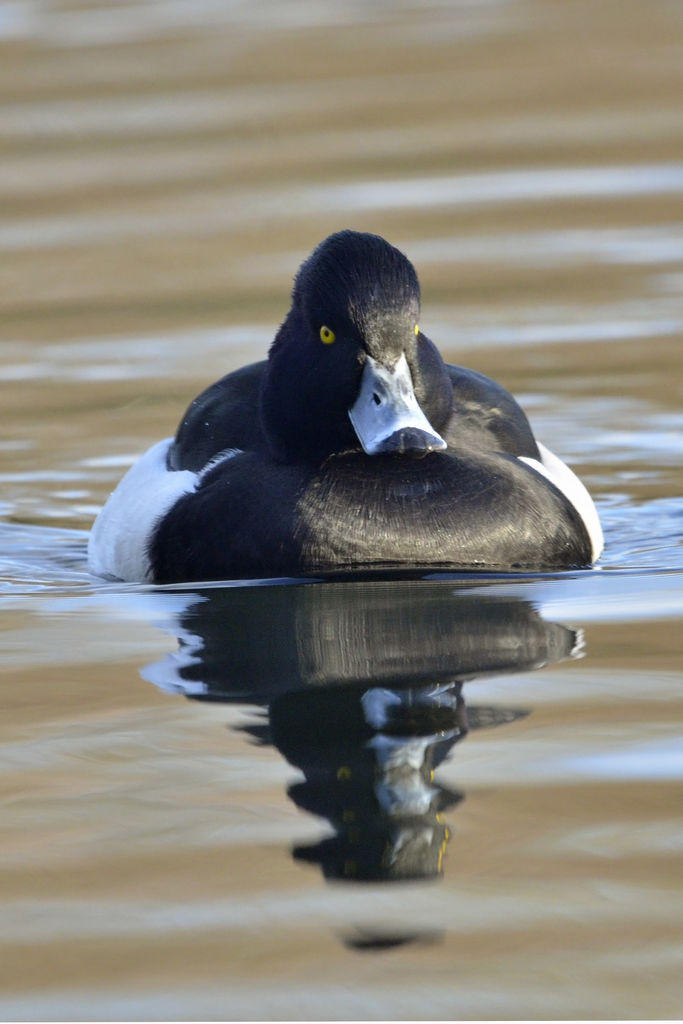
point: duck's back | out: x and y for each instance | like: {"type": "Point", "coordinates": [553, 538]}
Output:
{"type": "Point", "coordinates": [225, 415]}
{"type": "Point", "coordinates": [485, 416]}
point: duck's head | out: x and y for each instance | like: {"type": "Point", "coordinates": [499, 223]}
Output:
{"type": "Point", "coordinates": [349, 367]}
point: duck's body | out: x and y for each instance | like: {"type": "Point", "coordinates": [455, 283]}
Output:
{"type": "Point", "coordinates": [354, 446]}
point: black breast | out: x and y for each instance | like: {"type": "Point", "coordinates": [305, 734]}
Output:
{"type": "Point", "coordinates": [447, 509]}
{"type": "Point", "coordinates": [253, 518]}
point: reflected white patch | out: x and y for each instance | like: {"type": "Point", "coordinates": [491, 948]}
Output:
{"type": "Point", "coordinates": [400, 752]}
{"type": "Point", "coordinates": [167, 674]}
{"type": "Point", "coordinates": [377, 704]}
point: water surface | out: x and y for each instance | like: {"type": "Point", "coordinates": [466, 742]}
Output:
{"type": "Point", "coordinates": [429, 798]}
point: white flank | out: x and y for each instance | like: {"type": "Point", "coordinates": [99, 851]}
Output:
{"type": "Point", "coordinates": [565, 480]}
{"type": "Point", "coordinates": [119, 540]}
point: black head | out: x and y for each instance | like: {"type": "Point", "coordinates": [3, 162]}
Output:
{"type": "Point", "coordinates": [355, 306]}
{"type": "Point", "coordinates": [365, 287]}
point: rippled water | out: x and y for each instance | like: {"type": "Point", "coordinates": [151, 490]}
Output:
{"type": "Point", "coordinates": [427, 798]}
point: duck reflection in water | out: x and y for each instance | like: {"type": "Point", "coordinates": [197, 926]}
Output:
{"type": "Point", "coordinates": [362, 681]}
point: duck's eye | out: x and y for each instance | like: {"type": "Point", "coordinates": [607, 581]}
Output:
{"type": "Point", "coordinates": [417, 330]}
{"type": "Point", "coordinates": [327, 335]}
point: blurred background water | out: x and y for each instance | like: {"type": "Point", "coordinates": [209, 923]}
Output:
{"type": "Point", "coordinates": [164, 167]}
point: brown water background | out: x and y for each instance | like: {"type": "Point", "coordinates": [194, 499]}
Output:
{"type": "Point", "coordinates": [164, 167]}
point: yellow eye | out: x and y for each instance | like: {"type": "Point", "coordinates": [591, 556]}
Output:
{"type": "Point", "coordinates": [327, 335]}
{"type": "Point", "coordinates": [417, 330]}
